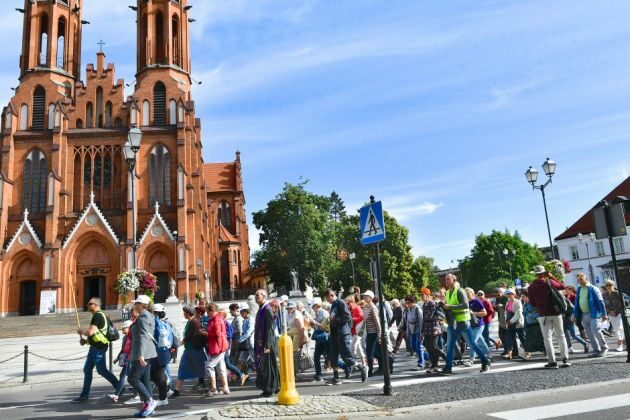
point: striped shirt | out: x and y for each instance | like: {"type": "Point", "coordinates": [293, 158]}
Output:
{"type": "Point", "coordinates": [372, 325]}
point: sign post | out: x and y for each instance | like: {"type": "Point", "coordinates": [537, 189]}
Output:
{"type": "Point", "coordinates": [610, 222]}
{"type": "Point", "coordinates": [373, 232]}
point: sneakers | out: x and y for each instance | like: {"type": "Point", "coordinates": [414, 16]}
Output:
{"type": "Point", "coordinates": [113, 398]}
{"type": "Point", "coordinates": [142, 411]}
{"type": "Point", "coordinates": [170, 392]}
{"type": "Point", "coordinates": [467, 364]}
{"type": "Point", "coordinates": [586, 348]}
{"type": "Point", "coordinates": [551, 365]}
{"type": "Point", "coordinates": [162, 402]}
{"type": "Point", "coordinates": [364, 373]}
{"type": "Point", "coordinates": [150, 408]}
{"type": "Point", "coordinates": [212, 393]}
{"type": "Point", "coordinates": [595, 354]}
{"type": "Point", "coordinates": [224, 392]}
{"type": "Point", "coordinates": [80, 399]}
{"type": "Point", "coordinates": [565, 364]}
{"type": "Point", "coordinates": [620, 349]}
{"type": "Point", "coordinates": [604, 352]}
{"type": "Point", "coordinates": [336, 381]}
{"type": "Point", "coordinates": [173, 393]}
{"type": "Point", "coordinates": [347, 373]}
{"type": "Point", "coordinates": [133, 401]}
{"type": "Point", "coordinates": [571, 350]}
{"type": "Point", "coordinates": [318, 378]}
{"type": "Point", "coordinates": [446, 371]}
{"type": "Point", "coordinates": [484, 368]}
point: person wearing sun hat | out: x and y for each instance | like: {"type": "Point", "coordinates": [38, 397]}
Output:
{"type": "Point", "coordinates": [550, 320]}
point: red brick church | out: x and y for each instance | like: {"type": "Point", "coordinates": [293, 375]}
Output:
{"type": "Point", "coordinates": [66, 207]}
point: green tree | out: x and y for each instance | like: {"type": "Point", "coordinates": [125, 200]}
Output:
{"type": "Point", "coordinates": [295, 233]}
{"type": "Point", "coordinates": [487, 263]}
{"type": "Point", "coordinates": [423, 271]}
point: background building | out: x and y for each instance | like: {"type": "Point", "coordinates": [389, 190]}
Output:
{"type": "Point", "coordinates": [65, 197]}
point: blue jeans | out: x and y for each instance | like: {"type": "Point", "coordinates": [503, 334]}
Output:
{"type": "Point", "coordinates": [96, 358]}
{"type": "Point", "coordinates": [140, 380]}
{"type": "Point", "coordinates": [479, 340]}
{"type": "Point", "coordinates": [415, 342]}
{"type": "Point", "coordinates": [370, 347]}
{"type": "Point", "coordinates": [486, 335]}
{"type": "Point", "coordinates": [230, 366]}
{"type": "Point", "coordinates": [453, 335]}
{"type": "Point", "coordinates": [321, 349]}
{"type": "Point", "coordinates": [122, 379]}
{"type": "Point", "coordinates": [569, 331]}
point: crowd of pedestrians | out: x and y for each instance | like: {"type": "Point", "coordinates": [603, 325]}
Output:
{"type": "Point", "coordinates": [440, 329]}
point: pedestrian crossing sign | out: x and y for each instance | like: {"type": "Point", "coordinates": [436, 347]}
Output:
{"type": "Point", "coordinates": [372, 223]}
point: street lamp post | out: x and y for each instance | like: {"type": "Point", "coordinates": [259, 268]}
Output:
{"type": "Point", "coordinates": [130, 150]}
{"type": "Point", "coordinates": [352, 256]}
{"type": "Point", "coordinates": [506, 254]}
{"type": "Point", "coordinates": [590, 238]}
{"type": "Point", "coordinates": [549, 166]}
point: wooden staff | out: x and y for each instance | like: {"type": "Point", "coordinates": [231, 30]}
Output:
{"type": "Point", "coordinates": [74, 299]}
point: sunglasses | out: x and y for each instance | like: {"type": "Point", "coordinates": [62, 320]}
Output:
{"type": "Point", "coordinates": [91, 304]}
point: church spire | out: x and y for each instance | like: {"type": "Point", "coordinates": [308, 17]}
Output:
{"type": "Point", "coordinates": [51, 39]}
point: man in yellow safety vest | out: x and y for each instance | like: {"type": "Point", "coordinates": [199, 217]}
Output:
{"type": "Point", "coordinates": [458, 317]}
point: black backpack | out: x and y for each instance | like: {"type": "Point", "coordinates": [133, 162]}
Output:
{"type": "Point", "coordinates": [557, 300]}
{"type": "Point", "coordinates": [112, 333]}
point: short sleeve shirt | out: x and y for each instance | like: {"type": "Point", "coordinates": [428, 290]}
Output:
{"type": "Point", "coordinates": [99, 321]}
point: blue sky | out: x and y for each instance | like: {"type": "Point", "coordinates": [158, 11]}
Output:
{"type": "Point", "coordinates": [437, 108]}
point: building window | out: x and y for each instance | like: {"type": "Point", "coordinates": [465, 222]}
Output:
{"type": "Point", "coordinates": [575, 254]}
{"type": "Point", "coordinates": [619, 246]}
{"type": "Point", "coordinates": [34, 186]}
{"type": "Point", "coordinates": [108, 115]}
{"type": "Point", "coordinates": [39, 108]}
{"type": "Point", "coordinates": [146, 114]}
{"type": "Point", "coordinates": [159, 104]}
{"type": "Point", "coordinates": [172, 112]}
{"type": "Point", "coordinates": [51, 116]}
{"type": "Point", "coordinates": [89, 115]}
{"type": "Point", "coordinates": [24, 117]}
{"type": "Point", "coordinates": [99, 107]}
{"type": "Point", "coordinates": [7, 119]}
{"type": "Point", "coordinates": [599, 246]}
{"type": "Point", "coordinates": [160, 176]}
{"type": "Point", "coordinates": [225, 214]}
{"type": "Point", "coordinates": [61, 42]}
{"type": "Point", "coordinates": [43, 40]}
{"type": "Point", "coordinates": [175, 39]}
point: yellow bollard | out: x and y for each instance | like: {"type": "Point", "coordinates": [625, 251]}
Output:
{"type": "Point", "coordinates": [288, 393]}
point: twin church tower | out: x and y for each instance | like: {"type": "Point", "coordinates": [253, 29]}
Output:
{"type": "Point", "coordinates": [66, 202]}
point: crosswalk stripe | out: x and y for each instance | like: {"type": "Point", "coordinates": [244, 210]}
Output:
{"type": "Point", "coordinates": [565, 409]}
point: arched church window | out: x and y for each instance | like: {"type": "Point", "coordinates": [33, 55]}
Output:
{"type": "Point", "coordinates": [99, 107]}
{"type": "Point", "coordinates": [7, 119]}
{"type": "Point", "coordinates": [175, 40]}
{"type": "Point", "coordinates": [108, 115]}
{"type": "Point", "coordinates": [118, 123]}
{"type": "Point", "coordinates": [89, 115]}
{"type": "Point", "coordinates": [160, 176]}
{"type": "Point", "coordinates": [159, 104]}
{"type": "Point", "coordinates": [39, 108]}
{"type": "Point", "coordinates": [146, 114]}
{"type": "Point", "coordinates": [79, 123]}
{"type": "Point", "coordinates": [51, 116]}
{"type": "Point", "coordinates": [181, 113]}
{"type": "Point", "coordinates": [225, 214]}
{"type": "Point", "coordinates": [160, 46]}
{"type": "Point", "coordinates": [172, 112]}
{"type": "Point", "coordinates": [134, 117]}
{"type": "Point", "coordinates": [34, 186]}
{"type": "Point", "coordinates": [24, 117]}
{"type": "Point", "coordinates": [43, 40]}
{"type": "Point", "coordinates": [61, 42]}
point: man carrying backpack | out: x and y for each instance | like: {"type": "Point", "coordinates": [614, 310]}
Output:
{"type": "Point", "coordinates": [97, 339]}
{"type": "Point", "coordinates": [550, 319]}
{"type": "Point", "coordinates": [164, 342]}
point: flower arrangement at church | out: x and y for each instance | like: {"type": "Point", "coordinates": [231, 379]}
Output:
{"type": "Point", "coordinates": [148, 284]}
{"type": "Point", "coordinates": [127, 282]}
{"type": "Point", "coordinates": [140, 281]}
{"type": "Point", "coordinates": [558, 268]}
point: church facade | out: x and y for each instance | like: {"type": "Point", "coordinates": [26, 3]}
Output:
{"type": "Point", "coordinates": [66, 202]}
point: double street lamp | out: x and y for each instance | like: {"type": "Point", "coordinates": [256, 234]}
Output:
{"type": "Point", "coordinates": [130, 150]}
{"type": "Point", "coordinates": [506, 255]}
{"type": "Point", "coordinates": [352, 256]}
{"type": "Point", "coordinates": [549, 166]}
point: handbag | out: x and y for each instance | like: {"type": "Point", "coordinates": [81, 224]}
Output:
{"type": "Point", "coordinates": [306, 361]}
{"type": "Point", "coordinates": [320, 336]}
{"type": "Point", "coordinates": [243, 346]}
{"type": "Point", "coordinates": [556, 300]}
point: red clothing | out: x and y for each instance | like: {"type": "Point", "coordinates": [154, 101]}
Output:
{"type": "Point", "coordinates": [217, 338]}
{"type": "Point", "coordinates": [538, 294]}
{"type": "Point", "coordinates": [357, 317]}
{"type": "Point", "coordinates": [487, 320]}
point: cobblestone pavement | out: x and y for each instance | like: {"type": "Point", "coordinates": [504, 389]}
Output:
{"type": "Point", "coordinates": [308, 406]}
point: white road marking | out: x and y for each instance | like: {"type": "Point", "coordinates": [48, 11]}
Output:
{"type": "Point", "coordinates": [29, 405]}
{"type": "Point", "coordinates": [178, 416]}
{"type": "Point", "coordinates": [565, 409]}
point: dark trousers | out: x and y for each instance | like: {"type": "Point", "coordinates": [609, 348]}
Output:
{"type": "Point", "coordinates": [140, 379]}
{"type": "Point", "coordinates": [503, 337]}
{"type": "Point", "coordinates": [486, 335]}
{"type": "Point", "coordinates": [159, 378]}
{"type": "Point", "coordinates": [431, 342]}
{"type": "Point", "coordinates": [321, 349]}
{"type": "Point", "coordinates": [341, 345]}
{"type": "Point", "coordinates": [370, 348]}
{"type": "Point", "coordinates": [122, 379]}
{"type": "Point", "coordinates": [96, 358]}
{"type": "Point", "coordinates": [402, 335]}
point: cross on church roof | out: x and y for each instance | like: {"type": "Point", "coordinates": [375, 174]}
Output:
{"type": "Point", "coordinates": [101, 43]}
{"type": "Point", "coordinates": [157, 207]}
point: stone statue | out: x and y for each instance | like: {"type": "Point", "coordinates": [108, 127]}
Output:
{"type": "Point", "coordinates": [295, 283]}
{"type": "Point", "coordinates": [171, 285]}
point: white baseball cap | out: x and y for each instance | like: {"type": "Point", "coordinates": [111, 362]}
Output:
{"type": "Point", "coordinates": [126, 324]}
{"type": "Point", "coordinates": [317, 301]}
{"type": "Point", "coordinates": [158, 307]}
{"type": "Point", "coordinates": [284, 298]}
{"type": "Point", "coordinates": [369, 293]}
{"type": "Point", "coordinates": [144, 299]}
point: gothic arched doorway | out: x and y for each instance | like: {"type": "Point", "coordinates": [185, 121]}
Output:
{"type": "Point", "coordinates": [28, 297]}
{"type": "Point", "coordinates": [24, 296]}
{"type": "Point", "coordinates": [94, 273]}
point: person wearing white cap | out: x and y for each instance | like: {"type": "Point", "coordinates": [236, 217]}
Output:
{"type": "Point", "coordinates": [245, 346]}
{"type": "Point", "coordinates": [320, 336]}
{"type": "Point", "coordinates": [143, 351]}
{"type": "Point", "coordinates": [372, 329]}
